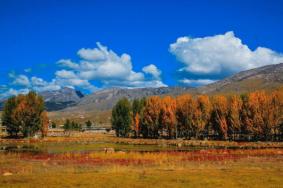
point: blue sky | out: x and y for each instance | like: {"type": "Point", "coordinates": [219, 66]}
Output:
{"type": "Point", "coordinates": [89, 45]}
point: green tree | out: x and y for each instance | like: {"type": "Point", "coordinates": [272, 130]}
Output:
{"type": "Point", "coordinates": [88, 124]}
{"type": "Point", "coordinates": [67, 125]}
{"type": "Point", "coordinates": [121, 117]}
{"type": "Point", "coordinates": [7, 117]}
{"type": "Point", "coordinates": [53, 125]}
{"type": "Point", "coordinates": [137, 109]}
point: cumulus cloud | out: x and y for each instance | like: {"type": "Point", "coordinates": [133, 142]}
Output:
{"type": "Point", "coordinates": [65, 74]}
{"type": "Point", "coordinates": [110, 69]}
{"type": "Point", "coordinates": [13, 92]}
{"type": "Point", "coordinates": [99, 65]}
{"type": "Point", "coordinates": [67, 63]}
{"type": "Point", "coordinates": [21, 80]}
{"type": "Point", "coordinates": [222, 54]}
{"type": "Point", "coordinates": [153, 70]}
{"type": "Point", "coordinates": [100, 53]}
{"type": "Point", "coordinates": [39, 84]}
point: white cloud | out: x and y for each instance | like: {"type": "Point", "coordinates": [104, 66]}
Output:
{"type": "Point", "coordinates": [65, 74]}
{"type": "Point", "coordinates": [13, 92]}
{"type": "Point", "coordinates": [220, 54]}
{"type": "Point", "coordinates": [134, 84]}
{"type": "Point", "coordinates": [39, 84]}
{"type": "Point", "coordinates": [38, 81]}
{"type": "Point", "coordinates": [197, 82]}
{"type": "Point", "coordinates": [153, 70]}
{"type": "Point", "coordinates": [100, 65]}
{"type": "Point", "coordinates": [112, 70]}
{"type": "Point", "coordinates": [96, 54]}
{"type": "Point", "coordinates": [67, 63]}
{"type": "Point", "coordinates": [21, 80]}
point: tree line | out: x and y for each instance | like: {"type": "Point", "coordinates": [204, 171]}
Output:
{"type": "Point", "coordinates": [24, 115]}
{"type": "Point", "coordinates": [253, 116]}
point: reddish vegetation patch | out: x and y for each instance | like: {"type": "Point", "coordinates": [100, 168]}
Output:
{"type": "Point", "coordinates": [154, 158]}
{"type": "Point", "coordinates": [85, 159]}
{"type": "Point", "coordinates": [224, 154]}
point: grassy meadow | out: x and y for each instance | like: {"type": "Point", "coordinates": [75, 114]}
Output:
{"type": "Point", "coordinates": [81, 161]}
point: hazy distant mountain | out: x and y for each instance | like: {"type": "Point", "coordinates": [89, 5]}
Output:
{"type": "Point", "coordinates": [60, 99]}
{"type": "Point", "coordinates": [105, 99]}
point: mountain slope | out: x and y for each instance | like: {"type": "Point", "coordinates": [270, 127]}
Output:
{"type": "Point", "coordinates": [60, 99]}
{"type": "Point", "coordinates": [57, 100]}
{"type": "Point", "coordinates": [105, 99]}
{"type": "Point", "coordinates": [267, 77]}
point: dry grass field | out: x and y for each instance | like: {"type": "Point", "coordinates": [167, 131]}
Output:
{"type": "Point", "coordinates": [81, 161]}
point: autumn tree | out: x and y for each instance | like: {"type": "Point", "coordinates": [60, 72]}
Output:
{"type": "Point", "coordinates": [121, 117]}
{"type": "Point", "coordinates": [257, 115]}
{"type": "Point", "coordinates": [258, 104]}
{"type": "Point", "coordinates": [219, 115]}
{"type": "Point", "coordinates": [246, 116]}
{"type": "Point", "coordinates": [28, 113]}
{"type": "Point", "coordinates": [279, 130]}
{"type": "Point", "coordinates": [233, 118]}
{"type": "Point", "coordinates": [44, 123]}
{"type": "Point", "coordinates": [273, 114]}
{"type": "Point", "coordinates": [137, 108]}
{"type": "Point", "coordinates": [184, 115]}
{"type": "Point", "coordinates": [151, 115]}
{"type": "Point", "coordinates": [167, 116]}
{"type": "Point", "coordinates": [25, 114]}
{"type": "Point", "coordinates": [201, 115]}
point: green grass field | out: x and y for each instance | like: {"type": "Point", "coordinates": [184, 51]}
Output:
{"type": "Point", "coordinates": [80, 161]}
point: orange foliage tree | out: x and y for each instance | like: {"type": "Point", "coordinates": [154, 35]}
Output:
{"type": "Point", "coordinates": [218, 116]}
{"type": "Point", "coordinates": [202, 112]}
{"type": "Point", "coordinates": [151, 115]}
{"type": "Point", "coordinates": [44, 123]}
{"type": "Point", "coordinates": [184, 115]}
{"type": "Point", "coordinates": [167, 116]}
{"type": "Point", "coordinates": [233, 118]}
{"type": "Point", "coordinates": [258, 104]}
{"type": "Point", "coordinates": [257, 115]}
{"type": "Point", "coordinates": [246, 116]}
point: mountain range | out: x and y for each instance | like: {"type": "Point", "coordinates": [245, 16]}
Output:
{"type": "Point", "coordinates": [267, 77]}
{"type": "Point", "coordinates": [69, 102]}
